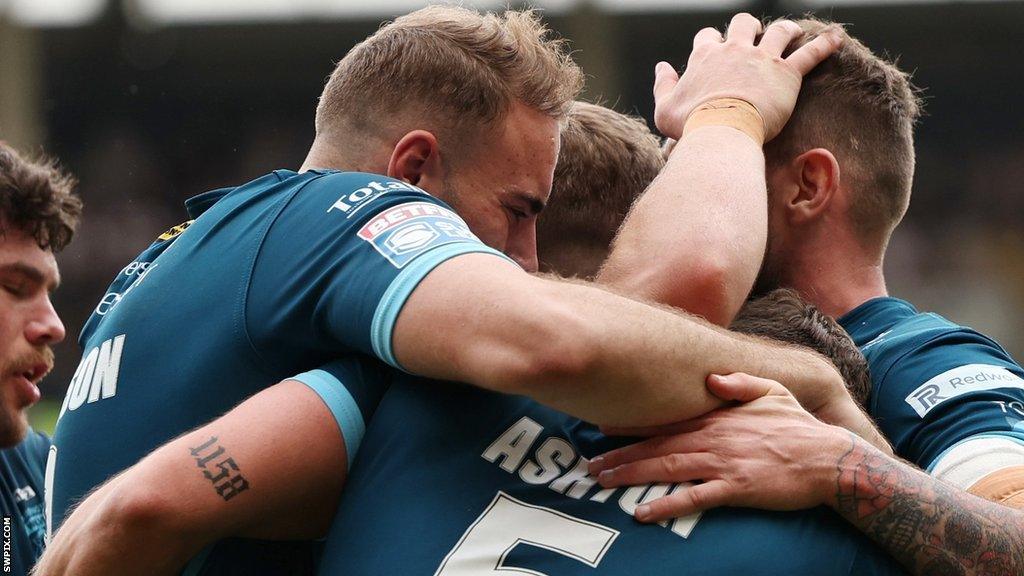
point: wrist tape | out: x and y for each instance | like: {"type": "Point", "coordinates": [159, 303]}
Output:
{"type": "Point", "coordinates": [731, 112]}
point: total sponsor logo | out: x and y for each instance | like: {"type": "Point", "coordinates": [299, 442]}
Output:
{"type": "Point", "coordinates": [403, 232]}
{"type": "Point", "coordinates": [958, 381]}
{"type": "Point", "coordinates": [96, 376]}
{"type": "Point", "coordinates": [555, 463]}
{"type": "Point", "coordinates": [350, 203]}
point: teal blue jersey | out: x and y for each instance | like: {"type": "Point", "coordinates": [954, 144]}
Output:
{"type": "Point", "coordinates": [453, 480]}
{"type": "Point", "coordinates": [21, 502]}
{"type": "Point", "coordinates": [272, 278]}
{"type": "Point", "coordinates": [935, 384]}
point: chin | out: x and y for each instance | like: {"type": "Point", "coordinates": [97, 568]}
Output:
{"type": "Point", "coordinates": [13, 427]}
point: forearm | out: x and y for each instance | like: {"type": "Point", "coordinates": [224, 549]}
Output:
{"type": "Point", "coordinates": [696, 237]}
{"type": "Point", "coordinates": [101, 538]}
{"type": "Point", "coordinates": [583, 350]}
{"type": "Point", "coordinates": [211, 483]}
{"type": "Point", "coordinates": [929, 526]}
{"type": "Point", "coordinates": [646, 365]}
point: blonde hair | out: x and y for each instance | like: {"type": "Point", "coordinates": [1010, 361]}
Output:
{"type": "Point", "coordinates": [456, 67]}
{"type": "Point", "coordinates": [606, 161]}
{"type": "Point", "coordinates": [863, 109]}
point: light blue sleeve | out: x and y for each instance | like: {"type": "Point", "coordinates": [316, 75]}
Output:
{"type": "Point", "coordinates": [351, 388]}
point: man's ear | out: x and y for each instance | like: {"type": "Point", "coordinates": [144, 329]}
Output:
{"type": "Point", "coordinates": [816, 175]}
{"type": "Point", "coordinates": [416, 159]}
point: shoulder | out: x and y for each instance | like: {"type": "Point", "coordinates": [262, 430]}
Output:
{"type": "Point", "coordinates": [930, 358]}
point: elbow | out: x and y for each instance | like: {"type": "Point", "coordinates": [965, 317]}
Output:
{"type": "Point", "coordinates": [132, 509]}
{"type": "Point", "coordinates": [708, 288]}
{"type": "Point", "coordinates": [707, 285]}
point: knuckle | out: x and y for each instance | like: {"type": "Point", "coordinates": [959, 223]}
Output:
{"type": "Point", "coordinates": [673, 464]}
{"type": "Point", "coordinates": [698, 497]}
{"type": "Point", "coordinates": [717, 461]}
{"type": "Point", "coordinates": [787, 26]}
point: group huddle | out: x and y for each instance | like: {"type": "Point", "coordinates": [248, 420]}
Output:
{"type": "Point", "coordinates": [487, 328]}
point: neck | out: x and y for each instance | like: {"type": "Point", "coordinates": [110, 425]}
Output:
{"type": "Point", "coordinates": [328, 155]}
{"type": "Point", "coordinates": [319, 156]}
{"type": "Point", "coordinates": [837, 282]}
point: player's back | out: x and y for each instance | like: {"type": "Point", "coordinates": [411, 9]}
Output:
{"type": "Point", "coordinates": [454, 480]}
{"type": "Point", "coordinates": [270, 279]}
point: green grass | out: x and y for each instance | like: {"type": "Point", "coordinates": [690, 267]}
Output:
{"type": "Point", "coordinates": [43, 416]}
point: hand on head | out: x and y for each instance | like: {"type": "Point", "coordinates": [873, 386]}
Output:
{"type": "Point", "coordinates": [736, 67]}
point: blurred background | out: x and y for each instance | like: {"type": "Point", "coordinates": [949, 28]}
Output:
{"type": "Point", "coordinates": [150, 102]}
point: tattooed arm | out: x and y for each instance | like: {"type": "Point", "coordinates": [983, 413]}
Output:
{"type": "Point", "coordinates": [217, 481]}
{"type": "Point", "coordinates": [931, 527]}
{"type": "Point", "coordinates": [769, 453]}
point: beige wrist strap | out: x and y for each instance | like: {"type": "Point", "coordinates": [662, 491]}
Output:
{"type": "Point", "coordinates": [731, 112]}
{"type": "Point", "coordinates": [1005, 486]}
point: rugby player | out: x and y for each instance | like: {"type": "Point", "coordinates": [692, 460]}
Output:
{"type": "Point", "coordinates": [38, 215]}
{"type": "Point", "coordinates": [606, 160]}
{"type": "Point", "coordinates": [294, 270]}
{"type": "Point", "coordinates": [947, 396]}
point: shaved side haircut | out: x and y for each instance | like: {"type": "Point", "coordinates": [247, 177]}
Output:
{"type": "Point", "coordinates": [456, 69]}
{"type": "Point", "coordinates": [863, 109]}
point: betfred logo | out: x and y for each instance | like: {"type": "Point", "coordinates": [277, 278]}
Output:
{"type": "Point", "coordinates": [411, 237]}
{"type": "Point", "coordinates": [403, 232]}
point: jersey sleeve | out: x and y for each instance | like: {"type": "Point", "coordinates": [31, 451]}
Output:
{"type": "Point", "coordinates": [351, 388]}
{"type": "Point", "coordinates": [955, 387]}
{"type": "Point", "coordinates": [339, 261]}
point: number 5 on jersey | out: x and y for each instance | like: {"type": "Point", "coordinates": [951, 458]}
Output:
{"type": "Point", "coordinates": [508, 522]}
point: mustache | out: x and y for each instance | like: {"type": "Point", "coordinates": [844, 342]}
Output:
{"type": "Point", "coordinates": [28, 360]}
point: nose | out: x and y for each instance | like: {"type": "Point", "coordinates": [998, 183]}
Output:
{"type": "Point", "coordinates": [524, 251]}
{"type": "Point", "coordinates": [45, 326]}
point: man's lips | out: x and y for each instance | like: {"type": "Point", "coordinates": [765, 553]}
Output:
{"type": "Point", "coordinates": [25, 390]}
{"type": "Point", "coordinates": [27, 379]}
{"type": "Point", "coordinates": [34, 372]}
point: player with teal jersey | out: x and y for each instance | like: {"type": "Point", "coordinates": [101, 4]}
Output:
{"type": "Point", "coordinates": [455, 480]}
{"type": "Point", "coordinates": [21, 501]}
{"type": "Point", "coordinates": [938, 388]}
{"type": "Point", "coordinates": [477, 319]}
{"type": "Point", "coordinates": [308, 268]}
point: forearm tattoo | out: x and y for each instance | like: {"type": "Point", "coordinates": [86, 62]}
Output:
{"type": "Point", "coordinates": [930, 527]}
{"type": "Point", "coordinates": [223, 473]}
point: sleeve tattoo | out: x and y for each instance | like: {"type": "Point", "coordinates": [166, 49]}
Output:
{"type": "Point", "coordinates": [930, 527]}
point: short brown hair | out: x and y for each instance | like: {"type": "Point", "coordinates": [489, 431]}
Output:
{"type": "Point", "coordinates": [862, 108]}
{"type": "Point", "coordinates": [782, 315]}
{"type": "Point", "coordinates": [461, 67]}
{"type": "Point", "coordinates": [606, 161]}
{"type": "Point", "coordinates": [36, 197]}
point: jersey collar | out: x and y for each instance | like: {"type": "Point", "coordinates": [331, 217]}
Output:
{"type": "Point", "coordinates": [196, 205]}
{"type": "Point", "coordinates": [867, 321]}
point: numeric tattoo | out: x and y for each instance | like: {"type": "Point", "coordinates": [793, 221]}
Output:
{"type": "Point", "coordinates": [225, 475]}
